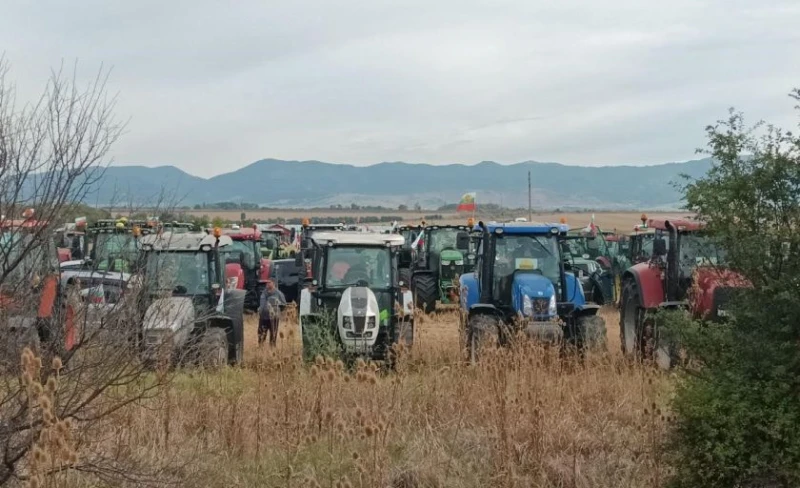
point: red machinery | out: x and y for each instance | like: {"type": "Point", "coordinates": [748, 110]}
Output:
{"type": "Point", "coordinates": [685, 270]}
{"type": "Point", "coordinates": [244, 265]}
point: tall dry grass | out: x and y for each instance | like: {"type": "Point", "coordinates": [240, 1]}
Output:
{"type": "Point", "coordinates": [521, 418]}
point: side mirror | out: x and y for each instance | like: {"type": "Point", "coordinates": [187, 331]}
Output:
{"type": "Point", "coordinates": [660, 247]}
{"type": "Point", "coordinates": [462, 240]}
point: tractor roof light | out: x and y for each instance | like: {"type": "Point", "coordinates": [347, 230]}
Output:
{"type": "Point", "coordinates": [205, 247]}
{"type": "Point", "coordinates": [217, 232]}
{"type": "Point", "coordinates": [306, 222]}
{"type": "Point", "coordinates": [498, 230]}
{"type": "Point", "coordinates": [562, 220]}
{"type": "Point", "coordinates": [470, 222]}
{"type": "Point", "coordinates": [119, 225]}
{"type": "Point", "coordinates": [643, 218]}
{"type": "Point", "coordinates": [554, 230]}
{"type": "Point", "coordinates": [28, 213]}
{"type": "Point", "coordinates": [137, 231]}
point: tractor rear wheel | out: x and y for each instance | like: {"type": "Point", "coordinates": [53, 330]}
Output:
{"type": "Point", "coordinates": [404, 275]}
{"type": "Point", "coordinates": [481, 332]}
{"type": "Point", "coordinates": [213, 348]}
{"type": "Point", "coordinates": [426, 291]}
{"type": "Point", "coordinates": [631, 321]}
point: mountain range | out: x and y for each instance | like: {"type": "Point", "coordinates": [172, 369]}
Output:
{"type": "Point", "coordinates": [304, 184]}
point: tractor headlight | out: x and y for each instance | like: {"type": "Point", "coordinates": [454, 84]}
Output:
{"type": "Point", "coordinates": [347, 322]}
{"type": "Point", "coordinates": [551, 307]}
{"type": "Point", "coordinates": [527, 306]}
{"type": "Point", "coordinates": [371, 321]}
{"type": "Point", "coordinates": [460, 262]}
{"type": "Point", "coordinates": [446, 263]}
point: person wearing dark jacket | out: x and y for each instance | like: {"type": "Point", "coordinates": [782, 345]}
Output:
{"type": "Point", "coordinates": [269, 313]}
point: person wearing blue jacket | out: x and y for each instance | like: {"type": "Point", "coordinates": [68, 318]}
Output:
{"type": "Point", "coordinates": [270, 306]}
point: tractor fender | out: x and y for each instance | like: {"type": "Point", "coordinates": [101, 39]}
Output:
{"type": "Point", "coordinates": [48, 297]}
{"type": "Point", "coordinates": [469, 293]}
{"type": "Point", "coordinates": [232, 321]}
{"type": "Point", "coordinates": [264, 270]}
{"type": "Point", "coordinates": [586, 310]}
{"type": "Point", "coordinates": [234, 276]}
{"type": "Point", "coordinates": [415, 272]}
{"type": "Point", "coordinates": [574, 288]}
{"type": "Point", "coordinates": [648, 281]}
{"type": "Point", "coordinates": [484, 309]}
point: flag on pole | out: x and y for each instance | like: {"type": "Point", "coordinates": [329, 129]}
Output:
{"type": "Point", "coordinates": [417, 242]}
{"type": "Point", "coordinates": [467, 203]}
{"type": "Point", "coordinates": [591, 228]}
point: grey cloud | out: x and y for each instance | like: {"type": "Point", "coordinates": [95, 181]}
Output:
{"type": "Point", "coordinates": [209, 86]}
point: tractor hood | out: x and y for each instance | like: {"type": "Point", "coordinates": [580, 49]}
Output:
{"type": "Point", "coordinates": [533, 296]}
{"type": "Point", "coordinates": [168, 319]}
{"type": "Point", "coordinates": [358, 319]}
{"type": "Point", "coordinates": [711, 291]}
{"type": "Point", "coordinates": [451, 255]}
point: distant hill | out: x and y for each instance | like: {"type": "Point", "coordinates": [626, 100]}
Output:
{"type": "Point", "coordinates": [300, 184]}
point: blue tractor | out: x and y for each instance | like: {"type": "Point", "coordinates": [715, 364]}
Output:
{"type": "Point", "coordinates": [520, 284]}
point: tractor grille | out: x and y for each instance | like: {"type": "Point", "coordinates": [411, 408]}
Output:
{"type": "Point", "coordinates": [358, 324]}
{"type": "Point", "coordinates": [451, 271]}
{"type": "Point", "coordinates": [540, 306]}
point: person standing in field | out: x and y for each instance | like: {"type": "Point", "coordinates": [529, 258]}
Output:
{"type": "Point", "coordinates": [269, 313]}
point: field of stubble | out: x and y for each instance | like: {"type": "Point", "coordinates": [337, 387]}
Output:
{"type": "Point", "coordinates": [521, 418]}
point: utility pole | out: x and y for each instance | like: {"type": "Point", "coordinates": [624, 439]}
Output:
{"type": "Point", "coordinates": [530, 212]}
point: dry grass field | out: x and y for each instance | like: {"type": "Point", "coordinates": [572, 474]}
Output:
{"type": "Point", "coordinates": [606, 220]}
{"type": "Point", "coordinates": [519, 419]}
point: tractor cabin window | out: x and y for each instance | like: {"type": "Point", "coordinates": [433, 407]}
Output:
{"type": "Point", "coordinates": [523, 253]}
{"type": "Point", "coordinates": [346, 267]}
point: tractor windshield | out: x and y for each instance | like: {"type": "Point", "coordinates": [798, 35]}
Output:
{"type": "Point", "coordinates": [37, 260]}
{"type": "Point", "coordinates": [698, 250]}
{"type": "Point", "coordinates": [246, 248]}
{"type": "Point", "coordinates": [115, 252]}
{"type": "Point", "coordinates": [346, 266]}
{"type": "Point", "coordinates": [184, 273]}
{"type": "Point", "coordinates": [440, 239]}
{"type": "Point", "coordinates": [538, 253]}
{"type": "Point", "coordinates": [594, 247]}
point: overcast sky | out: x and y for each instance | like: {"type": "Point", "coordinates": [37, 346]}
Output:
{"type": "Point", "coordinates": [210, 86]}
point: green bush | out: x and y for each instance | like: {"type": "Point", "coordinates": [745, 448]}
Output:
{"type": "Point", "coordinates": [737, 402]}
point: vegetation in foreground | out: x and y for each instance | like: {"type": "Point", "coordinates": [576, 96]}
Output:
{"type": "Point", "coordinates": [521, 418]}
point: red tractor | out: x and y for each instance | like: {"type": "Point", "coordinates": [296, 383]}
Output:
{"type": "Point", "coordinates": [245, 269]}
{"type": "Point", "coordinates": [31, 304]}
{"type": "Point", "coordinates": [685, 270]}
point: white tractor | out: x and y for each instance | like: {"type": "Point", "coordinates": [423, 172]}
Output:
{"type": "Point", "coordinates": [353, 302]}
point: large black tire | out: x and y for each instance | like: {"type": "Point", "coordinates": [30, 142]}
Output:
{"type": "Point", "coordinates": [591, 333]}
{"type": "Point", "coordinates": [482, 331]}
{"type": "Point", "coordinates": [212, 348]}
{"type": "Point", "coordinates": [404, 275]}
{"type": "Point", "coordinates": [426, 292]}
{"type": "Point", "coordinates": [631, 321]}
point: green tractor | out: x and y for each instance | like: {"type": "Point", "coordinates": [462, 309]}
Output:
{"type": "Point", "coordinates": [438, 263]}
{"type": "Point", "coordinates": [592, 261]}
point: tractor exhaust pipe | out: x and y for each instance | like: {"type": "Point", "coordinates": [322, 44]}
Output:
{"type": "Point", "coordinates": [673, 272]}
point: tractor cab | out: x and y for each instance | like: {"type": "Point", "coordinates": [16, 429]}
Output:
{"type": "Point", "coordinates": [520, 284]}
{"type": "Point", "coordinates": [440, 260]}
{"type": "Point", "coordinates": [353, 295]}
{"type": "Point", "coordinates": [30, 303]}
{"type": "Point", "coordinates": [588, 255]}
{"type": "Point", "coordinates": [271, 240]}
{"type": "Point", "coordinates": [244, 265]}
{"type": "Point", "coordinates": [686, 269]}
{"type": "Point", "coordinates": [113, 245]}
{"type": "Point", "coordinates": [189, 311]}
{"type": "Point", "coordinates": [180, 227]}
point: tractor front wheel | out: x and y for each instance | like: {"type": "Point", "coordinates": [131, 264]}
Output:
{"type": "Point", "coordinates": [213, 348]}
{"type": "Point", "coordinates": [426, 291]}
{"type": "Point", "coordinates": [481, 332]}
{"type": "Point", "coordinates": [591, 333]}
